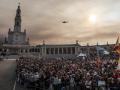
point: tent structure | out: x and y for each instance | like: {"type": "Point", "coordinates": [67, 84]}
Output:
{"type": "Point", "coordinates": [106, 52]}
{"type": "Point", "coordinates": [102, 50]}
{"type": "Point", "coordinates": [82, 55]}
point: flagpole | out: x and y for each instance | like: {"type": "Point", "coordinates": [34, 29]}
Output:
{"type": "Point", "coordinates": [118, 67]}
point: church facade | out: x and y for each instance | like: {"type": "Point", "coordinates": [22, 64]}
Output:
{"type": "Point", "coordinates": [17, 37]}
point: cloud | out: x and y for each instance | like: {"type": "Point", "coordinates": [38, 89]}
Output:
{"type": "Point", "coordinates": [43, 19]}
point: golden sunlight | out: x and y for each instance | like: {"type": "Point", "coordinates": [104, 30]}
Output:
{"type": "Point", "coordinates": [92, 18]}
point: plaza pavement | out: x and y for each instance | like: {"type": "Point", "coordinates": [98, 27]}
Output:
{"type": "Point", "coordinates": [7, 75]}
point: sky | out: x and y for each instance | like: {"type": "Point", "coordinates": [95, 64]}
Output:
{"type": "Point", "coordinates": [89, 21]}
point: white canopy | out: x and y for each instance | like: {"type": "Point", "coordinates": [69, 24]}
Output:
{"type": "Point", "coordinates": [106, 52]}
{"type": "Point", "coordinates": [81, 55]}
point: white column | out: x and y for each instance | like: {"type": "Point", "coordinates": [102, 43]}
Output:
{"type": "Point", "coordinates": [62, 50]}
{"type": "Point", "coordinates": [76, 50]}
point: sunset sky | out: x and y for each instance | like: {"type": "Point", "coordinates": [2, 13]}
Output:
{"type": "Point", "coordinates": [89, 21]}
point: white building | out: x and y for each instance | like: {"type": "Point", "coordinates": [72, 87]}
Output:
{"type": "Point", "coordinates": [17, 37]}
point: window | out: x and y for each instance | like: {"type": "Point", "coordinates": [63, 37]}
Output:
{"type": "Point", "coordinates": [47, 50]}
{"type": "Point", "coordinates": [17, 23]}
{"type": "Point", "coordinates": [16, 37]}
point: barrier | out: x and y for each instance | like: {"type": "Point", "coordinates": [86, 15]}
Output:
{"type": "Point", "coordinates": [68, 87]}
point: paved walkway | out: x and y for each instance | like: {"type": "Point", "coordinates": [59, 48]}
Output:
{"type": "Point", "coordinates": [7, 74]}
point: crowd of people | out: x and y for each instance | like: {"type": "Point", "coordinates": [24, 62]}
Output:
{"type": "Point", "coordinates": [68, 74]}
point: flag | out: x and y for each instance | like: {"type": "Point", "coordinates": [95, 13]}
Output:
{"type": "Point", "coordinates": [117, 50]}
{"type": "Point", "coordinates": [117, 47]}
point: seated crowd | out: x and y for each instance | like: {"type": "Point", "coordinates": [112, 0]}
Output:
{"type": "Point", "coordinates": [68, 74]}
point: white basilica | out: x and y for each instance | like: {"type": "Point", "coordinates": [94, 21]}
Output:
{"type": "Point", "coordinates": [17, 37]}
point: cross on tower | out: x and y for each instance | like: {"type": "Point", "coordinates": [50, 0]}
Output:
{"type": "Point", "coordinates": [19, 2]}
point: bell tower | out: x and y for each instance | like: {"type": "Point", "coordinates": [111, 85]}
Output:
{"type": "Point", "coordinates": [17, 36]}
{"type": "Point", "coordinates": [17, 25]}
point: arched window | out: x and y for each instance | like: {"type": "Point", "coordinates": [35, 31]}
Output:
{"type": "Point", "coordinates": [17, 23]}
{"type": "Point", "coordinates": [16, 37]}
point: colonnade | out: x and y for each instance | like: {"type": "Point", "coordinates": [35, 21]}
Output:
{"type": "Point", "coordinates": [60, 50]}
{"type": "Point", "coordinates": [29, 50]}
{"type": "Point", "coordinates": [44, 50]}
